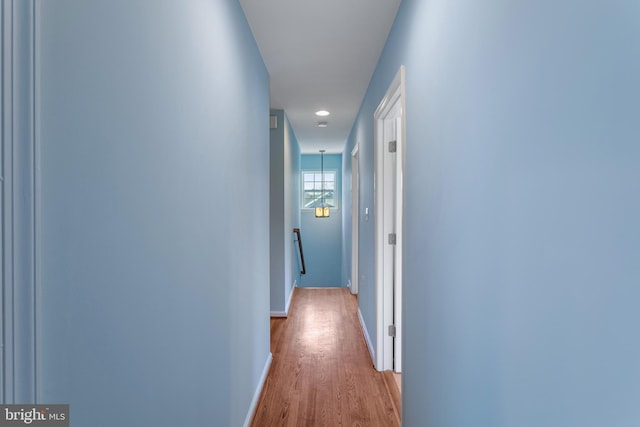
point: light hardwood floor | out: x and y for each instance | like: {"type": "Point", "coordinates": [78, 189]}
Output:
{"type": "Point", "coordinates": [322, 373]}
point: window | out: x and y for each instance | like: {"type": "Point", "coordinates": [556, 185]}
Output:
{"type": "Point", "coordinates": [313, 191]}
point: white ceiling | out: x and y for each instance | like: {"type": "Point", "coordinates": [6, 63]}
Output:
{"type": "Point", "coordinates": [320, 55]}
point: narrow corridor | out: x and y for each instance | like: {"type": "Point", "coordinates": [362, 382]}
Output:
{"type": "Point", "coordinates": [322, 373]}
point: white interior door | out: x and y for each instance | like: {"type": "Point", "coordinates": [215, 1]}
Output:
{"type": "Point", "coordinates": [392, 211]}
{"type": "Point", "coordinates": [397, 259]}
{"type": "Point", "coordinates": [389, 238]}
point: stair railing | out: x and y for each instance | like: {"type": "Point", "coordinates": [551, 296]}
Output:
{"type": "Point", "coordinates": [298, 240]}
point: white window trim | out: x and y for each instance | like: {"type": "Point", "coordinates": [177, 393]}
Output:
{"type": "Point", "coordinates": [337, 189]}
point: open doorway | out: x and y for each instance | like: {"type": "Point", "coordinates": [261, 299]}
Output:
{"type": "Point", "coordinates": [389, 122]}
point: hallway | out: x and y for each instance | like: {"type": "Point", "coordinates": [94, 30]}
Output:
{"type": "Point", "coordinates": [321, 373]}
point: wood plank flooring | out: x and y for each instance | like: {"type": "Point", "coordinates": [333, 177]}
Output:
{"type": "Point", "coordinates": [392, 381]}
{"type": "Point", "coordinates": [321, 374]}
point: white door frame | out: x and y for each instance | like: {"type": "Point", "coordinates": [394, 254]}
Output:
{"type": "Point", "coordinates": [389, 124]}
{"type": "Point", "coordinates": [355, 218]}
{"type": "Point", "coordinates": [20, 200]}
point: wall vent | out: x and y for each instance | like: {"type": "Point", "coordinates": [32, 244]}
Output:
{"type": "Point", "coordinates": [273, 122]}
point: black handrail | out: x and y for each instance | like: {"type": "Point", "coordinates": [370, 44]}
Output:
{"type": "Point", "coordinates": [299, 240]}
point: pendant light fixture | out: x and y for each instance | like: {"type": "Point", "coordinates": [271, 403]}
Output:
{"type": "Point", "coordinates": [322, 211]}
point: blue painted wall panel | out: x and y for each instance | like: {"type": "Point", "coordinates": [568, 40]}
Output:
{"type": "Point", "coordinates": [155, 267]}
{"type": "Point", "coordinates": [322, 237]}
{"type": "Point", "coordinates": [293, 161]}
{"type": "Point", "coordinates": [522, 237]}
{"type": "Point", "coordinates": [276, 212]}
{"type": "Point", "coordinates": [284, 211]}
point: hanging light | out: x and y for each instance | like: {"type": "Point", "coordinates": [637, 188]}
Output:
{"type": "Point", "coordinates": [322, 211]}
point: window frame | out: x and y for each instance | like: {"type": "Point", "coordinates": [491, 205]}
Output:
{"type": "Point", "coordinates": [314, 171]}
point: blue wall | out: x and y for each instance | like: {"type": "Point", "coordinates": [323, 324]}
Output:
{"type": "Point", "coordinates": [293, 164]}
{"type": "Point", "coordinates": [155, 243]}
{"type": "Point", "coordinates": [276, 213]}
{"type": "Point", "coordinates": [522, 239]}
{"type": "Point", "coordinates": [284, 212]}
{"type": "Point", "coordinates": [322, 237]}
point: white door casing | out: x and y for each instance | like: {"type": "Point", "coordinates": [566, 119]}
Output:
{"type": "Point", "coordinates": [389, 122]}
{"type": "Point", "coordinates": [20, 199]}
{"type": "Point", "coordinates": [355, 218]}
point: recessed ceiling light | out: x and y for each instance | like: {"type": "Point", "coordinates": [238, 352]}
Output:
{"type": "Point", "coordinates": [322, 113]}
{"type": "Point", "coordinates": [323, 124]}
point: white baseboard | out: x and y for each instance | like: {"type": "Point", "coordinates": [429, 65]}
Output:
{"type": "Point", "coordinates": [288, 304]}
{"type": "Point", "coordinates": [256, 395]}
{"type": "Point", "coordinates": [285, 313]}
{"type": "Point", "coordinates": [350, 286]}
{"type": "Point", "coordinates": [278, 314]}
{"type": "Point", "coordinates": [367, 339]}
{"type": "Point", "coordinates": [324, 287]}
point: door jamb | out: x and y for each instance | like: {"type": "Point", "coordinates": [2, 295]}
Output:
{"type": "Point", "coordinates": [355, 218]}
